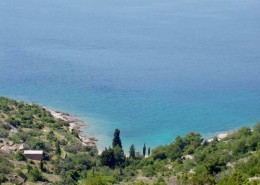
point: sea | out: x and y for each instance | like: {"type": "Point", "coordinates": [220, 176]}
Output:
{"type": "Point", "coordinates": [154, 69]}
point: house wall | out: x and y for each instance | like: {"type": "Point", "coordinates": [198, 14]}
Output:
{"type": "Point", "coordinates": [37, 157]}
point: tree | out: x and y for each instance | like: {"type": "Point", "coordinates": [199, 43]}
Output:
{"type": "Point", "coordinates": [240, 147]}
{"type": "Point", "coordinates": [244, 131]}
{"type": "Point", "coordinates": [116, 139]}
{"type": "Point", "coordinates": [149, 151]}
{"type": "Point", "coordinates": [107, 158]}
{"type": "Point", "coordinates": [132, 151]}
{"type": "Point", "coordinates": [257, 127]}
{"type": "Point", "coordinates": [180, 142]}
{"type": "Point", "coordinates": [119, 156]}
{"type": "Point", "coordinates": [159, 153]}
{"type": "Point", "coordinates": [174, 152]}
{"type": "Point", "coordinates": [214, 164]}
{"type": "Point", "coordinates": [192, 140]}
{"type": "Point", "coordinates": [144, 150]}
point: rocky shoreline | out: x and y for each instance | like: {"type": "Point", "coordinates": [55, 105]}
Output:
{"type": "Point", "coordinates": [220, 136]}
{"type": "Point", "coordinates": [74, 125]}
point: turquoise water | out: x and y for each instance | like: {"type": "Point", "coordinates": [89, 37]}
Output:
{"type": "Point", "coordinates": [154, 69]}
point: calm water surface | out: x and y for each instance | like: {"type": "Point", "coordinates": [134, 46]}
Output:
{"type": "Point", "coordinates": [152, 68]}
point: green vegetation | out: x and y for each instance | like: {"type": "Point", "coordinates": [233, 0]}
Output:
{"type": "Point", "coordinates": [144, 150]}
{"type": "Point", "coordinates": [188, 160]}
{"type": "Point", "coordinates": [116, 139]}
{"type": "Point", "coordinates": [66, 159]}
{"type": "Point", "coordinates": [132, 151]}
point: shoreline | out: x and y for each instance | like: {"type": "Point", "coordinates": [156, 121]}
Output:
{"type": "Point", "coordinates": [77, 124]}
{"type": "Point", "coordinates": [223, 134]}
{"type": "Point", "coordinates": [220, 136]}
{"type": "Point", "coordinates": [74, 124]}
{"type": "Point", "coordinates": [91, 141]}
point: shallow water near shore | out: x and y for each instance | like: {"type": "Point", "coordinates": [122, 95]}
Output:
{"type": "Point", "coordinates": [153, 69]}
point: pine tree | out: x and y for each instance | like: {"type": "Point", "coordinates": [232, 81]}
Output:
{"type": "Point", "coordinates": [132, 151]}
{"type": "Point", "coordinates": [149, 151]}
{"type": "Point", "coordinates": [107, 158]}
{"type": "Point", "coordinates": [116, 139]}
{"type": "Point", "coordinates": [144, 150]}
{"type": "Point", "coordinates": [119, 156]}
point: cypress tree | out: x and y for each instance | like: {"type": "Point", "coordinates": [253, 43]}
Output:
{"type": "Point", "coordinates": [132, 151]}
{"type": "Point", "coordinates": [144, 150]}
{"type": "Point", "coordinates": [149, 151]}
{"type": "Point", "coordinates": [116, 139]}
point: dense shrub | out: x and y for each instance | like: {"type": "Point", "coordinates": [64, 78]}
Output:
{"type": "Point", "coordinates": [100, 179]}
{"type": "Point", "coordinates": [14, 121]}
{"type": "Point", "coordinates": [5, 166]}
{"type": "Point", "coordinates": [34, 174]}
{"type": "Point", "coordinates": [19, 156]}
{"type": "Point", "coordinates": [4, 126]}
{"type": "Point", "coordinates": [235, 178]}
{"type": "Point", "coordinates": [3, 133]}
{"type": "Point", "coordinates": [159, 153]}
{"type": "Point", "coordinates": [2, 178]}
{"type": "Point", "coordinates": [71, 149]}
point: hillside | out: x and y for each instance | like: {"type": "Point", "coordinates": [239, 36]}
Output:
{"type": "Point", "coordinates": [24, 126]}
{"type": "Point", "coordinates": [188, 160]}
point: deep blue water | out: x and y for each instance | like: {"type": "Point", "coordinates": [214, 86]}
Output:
{"type": "Point", "coordinates": [152, 68]}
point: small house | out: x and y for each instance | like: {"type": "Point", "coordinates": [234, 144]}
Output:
{"type": "Point", "coordinates": [36, 155]}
